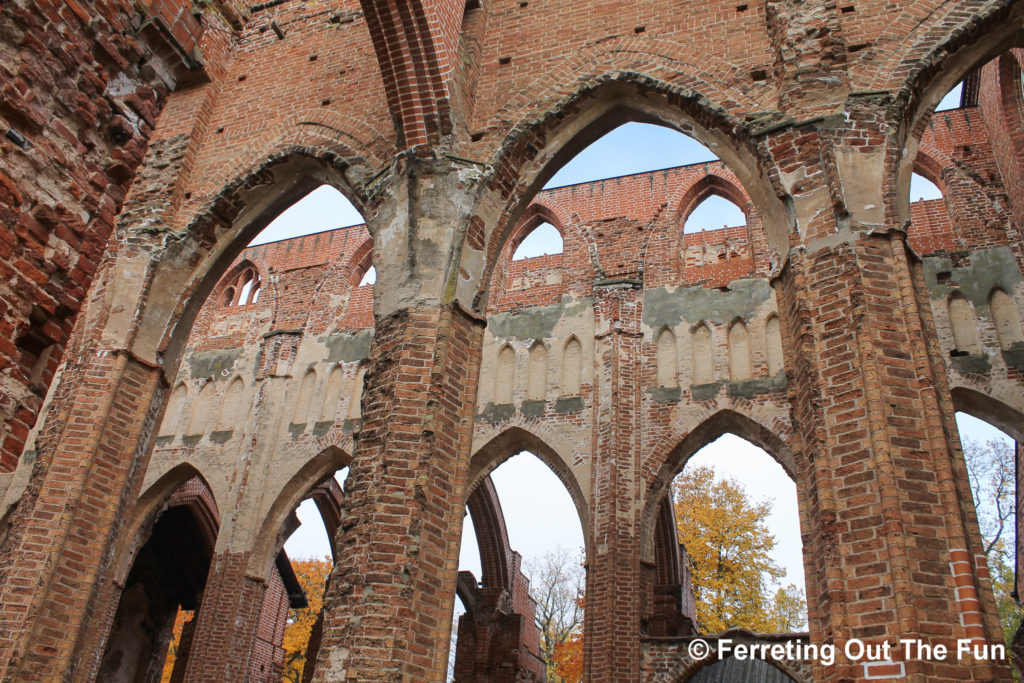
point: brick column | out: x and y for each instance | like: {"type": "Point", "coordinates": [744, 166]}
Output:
{"type": "Point", "coordinates": [90, 459]}
{"type": "Point", "coordinates": [892, 529]}
{"type": "Point", "coordinates": [612, 617]}
{"type": "Point", "coordinates": [388, 608]}
{"type": "Point", "coordinates": [226, 621]}
{"type": "Point", "coordinates": [389, 600]}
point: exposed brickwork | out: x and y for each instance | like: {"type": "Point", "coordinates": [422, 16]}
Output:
{"type": "Point", "coordinates": [818, 330]}
{"type": "Point", "coordinates": [83, 83]}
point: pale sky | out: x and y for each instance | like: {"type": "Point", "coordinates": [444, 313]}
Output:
{"type": "Point", "coordinates": [539, 512]}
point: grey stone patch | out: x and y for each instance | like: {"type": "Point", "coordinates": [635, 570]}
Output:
{"type": "Point", "coordinates": [496, 413]}
{"type": "Point", "coordinates": [321, 428]}
{"type": "Point", "coordinates": [160, 442]}
{"type": "Point", "coordinates": [569, 405]}
{"type": "Point", "coordinates": [703, 392]}
{"type": "Point", "coordinates": [222, 437]}
{"type": "Point", "coordinates": [670, 306]}
{"type": "Point", "coordinates": [972, 364]}
{"type": "Point", "coordinates": [665, 394]}
{"type": "Point", "coordinates": [191, 440]}
{"type": "Point", "coordinates": [758, 385]}
{"type": "Point", "coordinates": [296, 429]}
{"type": "Point", "coordinates": [214, 363]}
{"type": "Point", "coordinates": [350, 425]}
{"type": "Point", "coordinates": [349, 347]}
{"type": "Point", "coordinates": [537, 322]}
{"type": "Point", "coordinates": [1014, 356]}
{"type": "Point", "coordinates": [989, 268]}
{"type": "Point", "coordinates": [532, 408]}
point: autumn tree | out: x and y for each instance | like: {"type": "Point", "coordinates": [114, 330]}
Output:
{"type": "Point", "coordinates": [728, 541]}
{"type": "Point", "coordinates": [312, 575]}
{"type": "Point", "coordinates": [556, 584]}
{"type": "Point", "coordinates": [567, 659]}
{"type": "Point", "coordinates": [172, 649]}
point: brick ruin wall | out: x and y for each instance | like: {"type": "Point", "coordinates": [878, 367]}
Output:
{"type": "Point", "coordinates": [637, 345]}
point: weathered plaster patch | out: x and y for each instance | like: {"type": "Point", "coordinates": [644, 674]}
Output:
{"type": "Point", "coordinates": [665, 394]}
{"type": "Point", "coordinates": [988, 268]}
{"type": "Point", "coordinates": [537, 322]}
{"type": "Point", "coordinates": [216, 364]}
{"type": "Point", "coordinates": [669, 306]}
{"type": "Point", "coordinates": [348, 347]}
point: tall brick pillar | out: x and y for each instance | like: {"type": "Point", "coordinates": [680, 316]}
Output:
{"type": "Point", "coordinates": [91, 456]}
{"type": "Point", "coordinates": [389, 601]}
{"type": "Point", "coordinates": [613, 580]}
{"type": "Point", "coordinates": [892, 543]}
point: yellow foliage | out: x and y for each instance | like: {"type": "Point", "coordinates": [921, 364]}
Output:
{"type": "Point", "coordinates": [312, 575]}
{"type": "Point", "coordinates": [728, 541]}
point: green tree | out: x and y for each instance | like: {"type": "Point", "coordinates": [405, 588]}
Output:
{"type": "Point", "coordinates": [728, 541]}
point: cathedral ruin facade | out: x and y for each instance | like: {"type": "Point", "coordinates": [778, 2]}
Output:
{"type": "Point", "coordinates": [170, 395]}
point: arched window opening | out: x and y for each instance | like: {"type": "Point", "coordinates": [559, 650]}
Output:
{"type": "Point", "coordinates": [952, 99]}
{"type": "Point", "coordinates": [325, 208]}
{"type": "Point", "coordinates": [1005, 318]}
{"type": "Point", "coordinates": [248, 281]}
{"type": "Point", "coordinates": [145, 640]}
{"type": "Point", "coordinates": [369, 277]}
{"type": "Point", "coordinates": [631, 148]}
{"type": "Point", "coordinates": [714, 213]}
{"type": "Point", "coordinates": [922, 189]}
{"type": "Point", "coordinates": [541, 241]}
{"type": "Point", "coordinates": [738, 520]}
{"type": "Point", "coordinates": [309, 553]}
{"type": "Point", "coordinates": [247, 284]}
{"type": "Point", "coordinates": [993, 459]}
{"type": "Point", "coordinates": [540, 525]}
{"type": "Point", "coordinates": [963, 325]}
